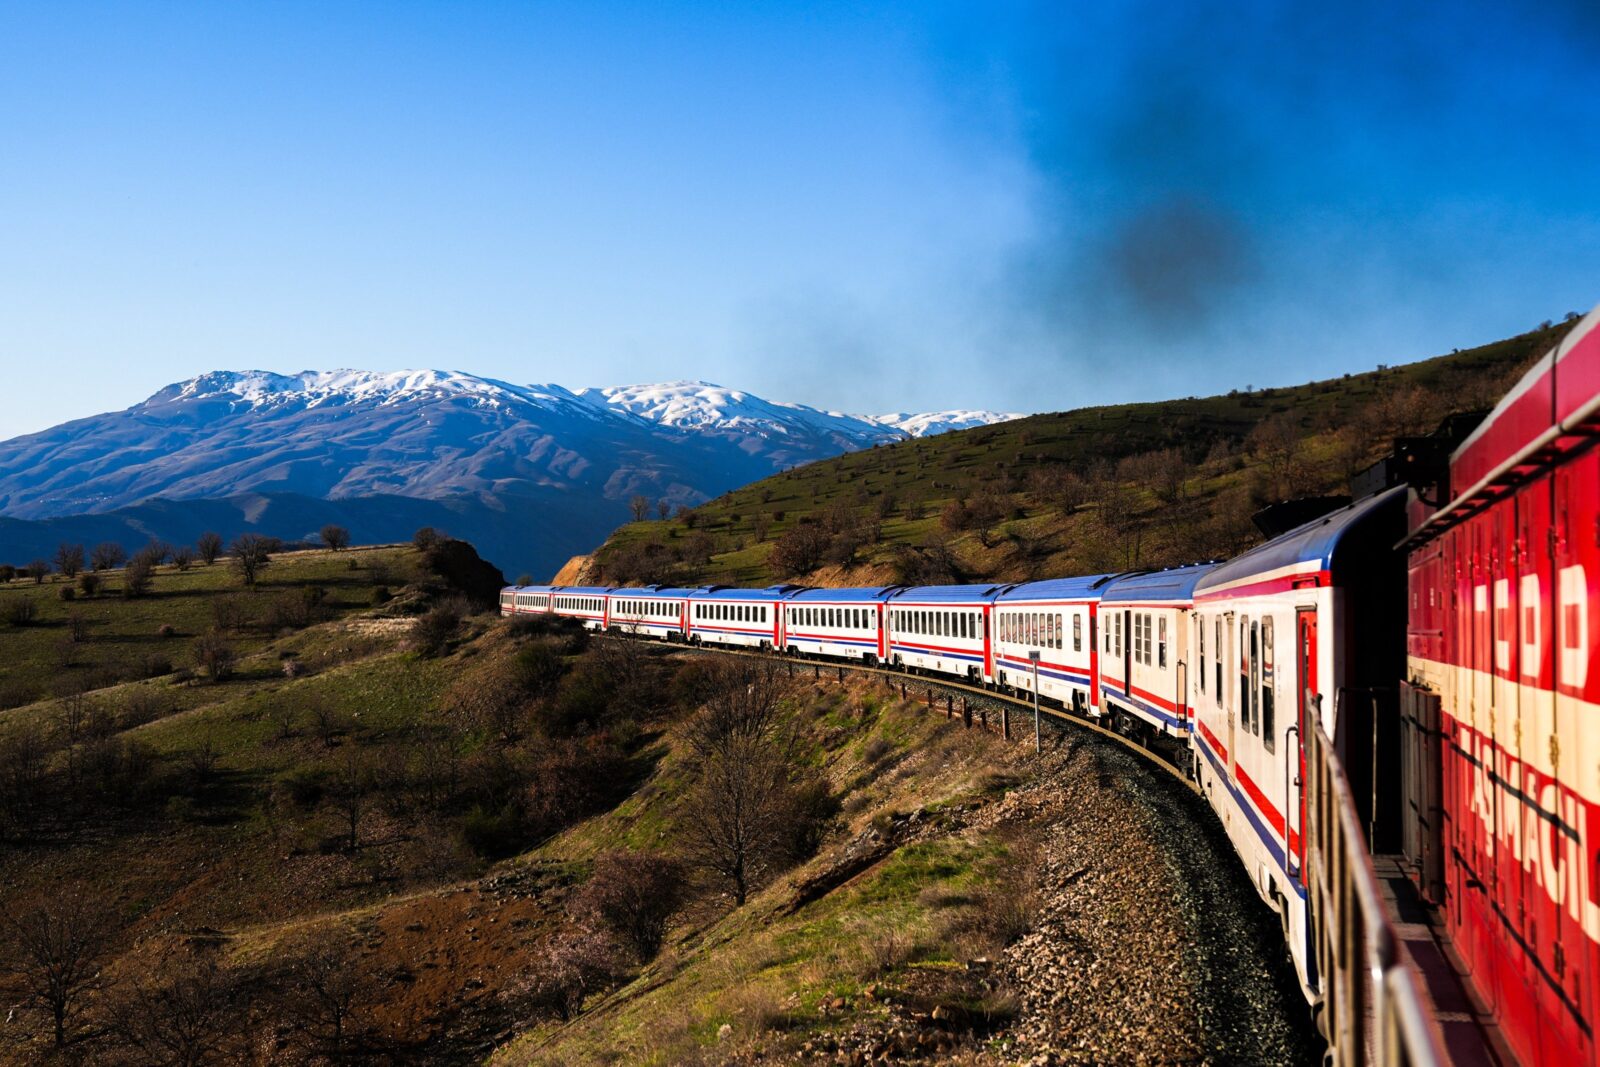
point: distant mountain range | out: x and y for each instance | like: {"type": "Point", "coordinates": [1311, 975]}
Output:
{"type": "Point", "coordinates": [529, 473]}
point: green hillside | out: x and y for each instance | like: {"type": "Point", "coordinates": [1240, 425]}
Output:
{"type": "Point", "coordinates": [1102, 488]}
{"type": "Point", "coordinates": [393, 829]}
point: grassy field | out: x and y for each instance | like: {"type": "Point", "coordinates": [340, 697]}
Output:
{"type": "Point", "coordinates": [89, 642]}
{"type": "Point", "coordinates": [774, 975]}
{"type": "Point", "coordinates": [1165, 482]}
{"type": "Point", "coordinates": [368, 800]}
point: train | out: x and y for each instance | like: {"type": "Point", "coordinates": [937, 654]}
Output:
{"type": "Point", "coordinates": [1409, 675]}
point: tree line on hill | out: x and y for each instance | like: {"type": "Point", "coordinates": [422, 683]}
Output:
{"type": "Point", "coordinates": [249, 552]}
{"type": "Point", "coordinates": [1005, 503]}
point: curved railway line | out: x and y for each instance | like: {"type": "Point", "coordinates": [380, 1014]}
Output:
{"type": "Point", "coordinates": [1242, 1003]}
{"type": "Point", "coordinates": [976, 702]}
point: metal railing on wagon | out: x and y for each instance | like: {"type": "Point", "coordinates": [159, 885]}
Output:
{"type": "Point", "coordinates": [1372, 1012]}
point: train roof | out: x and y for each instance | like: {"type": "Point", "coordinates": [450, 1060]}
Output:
{"type": "Point", "coordinates": [527, 589]}
{"type": "Point", "coordinates": [581, 590]}
{"type": "Point", "coordinates": [854, 595]}
{"type": "Point", "coordinates": [947, 594]}
{"type": "Point", "coordinates": [1174, 583]}
{"type": "Point", "coordinates": [1315, 542]}
{"type": "Point", "coordinates": [1085, 587]}
{"type": "Point", "coordinates": [645, 592]}
{"type": "Point", "coordinates": [718, 592]}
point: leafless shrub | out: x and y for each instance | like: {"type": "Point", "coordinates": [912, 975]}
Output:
{"type": "Point", "coordinates": [633, 895]}
{"type": "Point", "coordinates": [209, 547]}
{"type": "Point", "coordinates": [141, 704]}
{"type": "Point", "coordinates": [107, 555]}
{"type": "Point", "coordinates": [186, 1010]}
{"type": "Point", "coordinates": [214, 655]}
{"type": "Point", "coordinates": [329, 995]}
{"type": "Point", "coordinates": [20, 610]}
{"type": "Point", "coordinates": [251, 554]}
{"type": "Point", "coordinates": [564, 969]}
{"type": "Point", "coordinates": [435, 628]}
{"type": "Point", "coordinates": [137, 575]}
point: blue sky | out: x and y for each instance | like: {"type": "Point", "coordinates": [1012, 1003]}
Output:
{"type": "Point", "coordinates": [866, 207]}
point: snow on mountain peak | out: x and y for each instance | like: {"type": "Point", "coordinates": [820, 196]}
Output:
{"type": "Point", "coordinates": [683, 405]}
{"type": "Point", "coordinates": [929, 423]}
{"type": "Point", "coordinates": [254, 389]}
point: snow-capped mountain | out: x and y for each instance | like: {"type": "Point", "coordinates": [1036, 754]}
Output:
{"type": "Point", "coordinates": [431, 435]}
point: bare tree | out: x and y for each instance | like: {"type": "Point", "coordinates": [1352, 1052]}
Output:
{"type": "Point", "coordinates": [37, 569]}
{"type": "Point", "coordinates": [209, 546]}
{"type": "Point", "coordinates": [799, 550]}
{"type": "Point", "coordinates": [639, 505]}
{"type": "Point", "coordinates": [1061, 487]}
{"type": "Point", "coordinates": [634, 894]}
{"type": "Point", "coordinates": [349, 791]}
{"type": "Point", "coordinates": [251, 552]}
{"type": "Point", "coordinates": [329, 994]}
{"type": "Point", "coordinates": [663, 508]}
{"type": "Point", "coordinates": [183, 557]}
{"type": "Point", "coordinates": [730, 812]}
{"type": "Point", "coordinates": [106, 555]}
{"type": "Point", "coordinates": [335, 537]}
{"type": "Point", "coordinates": [214, 655]}
{"type": "Point", "coordinates": [1163, 472]}
{"type": "Point", "coordinates": [69, 559]}
{"type": "Point", "coordinates": [184, 1011]}
{"type": "Point", "coordinates": [564, 970]}
{"type": "Point", "coordinates": [54, 957]}
{"type": "Point", "coordinates": [741, 813]}
{"type": "Point", "coordinates": [136, 576]}
{"type": "Point", "coordinates": [24, 755]}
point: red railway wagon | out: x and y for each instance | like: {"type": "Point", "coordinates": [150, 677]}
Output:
{"type": "Point", "coordinates": [1503, 691]}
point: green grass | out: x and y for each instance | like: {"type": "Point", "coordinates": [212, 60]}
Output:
{"type": "Point", "coordinates": [122, 636]}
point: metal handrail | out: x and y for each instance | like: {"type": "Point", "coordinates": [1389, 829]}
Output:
{"type": "Point", "coordinates": [1372, 1009]}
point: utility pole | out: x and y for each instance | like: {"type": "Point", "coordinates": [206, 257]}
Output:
{"type": "Point", "coordinates": [1033, 658]}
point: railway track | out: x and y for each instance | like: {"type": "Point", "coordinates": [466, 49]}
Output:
{"type": "Point", "coordinates": [986, 709]}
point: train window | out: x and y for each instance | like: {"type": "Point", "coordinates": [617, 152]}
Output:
{"type": "Point", "coordinates": [1200, 636]}
{"type": "Point", "coordinates": [1247, 655]}
{"type": "Point", "coordinates": [1268, 720]}
{"type": "Point", "coordinates": [1161, 647]}
{"type": "Point", "coordinates": [1077, 633]}
{"type": "Point", "coordinates": [1216, 659]}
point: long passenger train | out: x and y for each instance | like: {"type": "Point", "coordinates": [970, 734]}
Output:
{"type": "Point", "coordinates": [1412, 671]}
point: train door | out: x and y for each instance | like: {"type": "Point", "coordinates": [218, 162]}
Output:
{"type": "Point", "coordinates": [1127, 652]}
{"type": "Point", "coordinates": [1305, 712]}
{"type": "Point", "coordinates": [1180, 667]}
{"type": "Point", "coordinates": [1231, 700]}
